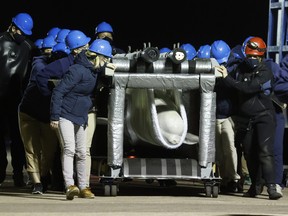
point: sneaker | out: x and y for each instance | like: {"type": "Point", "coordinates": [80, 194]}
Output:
{"type": "Point", "coordinates": [279, 189]}
{"type": "Point", "coordinates": [273, 192]}
{"type": "Point", "coordinates": [37, 189]}
{"type": "Point", "coordinates": [86, 193]}
{"type": "Point", "coordinates": [72, 191]}
{"type": "Point", "coordinates": [247, 180]}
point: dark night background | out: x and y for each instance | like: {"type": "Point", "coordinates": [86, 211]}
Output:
{"type": "Point", "coordinates": [138, 22]}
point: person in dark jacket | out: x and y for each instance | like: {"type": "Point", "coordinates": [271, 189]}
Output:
{"type": "Point", "coordinates": [279, 88]}
{"type": "Point", "coordinates": [238, 54]}
{"type": "Point", "coordinates": [70, 104]}
{"type": "Point", "coordinates": [76, 41]}
{"type": "Point", "coordinates": [105, 31]}
{"type": "Point", "coordinates": [226, 153]}
{"type": "Point", "coordinates": [256, 109]}
{"type": "Point", "coordinates": [16, 52]}
{"type": "Point", "coordinates": [40, 141]}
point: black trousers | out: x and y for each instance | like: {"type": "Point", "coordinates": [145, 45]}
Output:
{"type": "Point", "coordinates": [10, 137]}
{"type": "Point", "coordinates": [257, 140]}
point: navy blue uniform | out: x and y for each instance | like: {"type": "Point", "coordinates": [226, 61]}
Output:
{"type": "Point", "coordinates": [256, 109]}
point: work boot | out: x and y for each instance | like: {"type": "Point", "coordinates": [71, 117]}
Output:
{"type": "Point", "coordinates": [71, 192]}
{"type": "Point", "coordinates": [86, 193]}
{"type": "Point", "coordinates": [274, 194]}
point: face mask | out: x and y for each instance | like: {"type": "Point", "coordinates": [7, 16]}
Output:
{"type": "Point", "coordinates": [252, 63]}
{"type": "Point", "coordinates": [19, 38]}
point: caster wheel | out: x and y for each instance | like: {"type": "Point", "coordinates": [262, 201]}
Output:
{"type": "Point", "coordinates": [110, 190]}
{"type": "Point", "coordinates": [208, 190]}
{"type": "Point", "coordinates": [215, 191]}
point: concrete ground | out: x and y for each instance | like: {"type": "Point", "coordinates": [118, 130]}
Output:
{"type": "Point", "coordinates": [137, 198]}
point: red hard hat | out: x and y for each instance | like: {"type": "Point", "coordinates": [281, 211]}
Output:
{"type": "Point", "coordinates": [255, 46]}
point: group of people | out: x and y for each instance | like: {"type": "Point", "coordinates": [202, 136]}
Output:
{"type": "Point", "coordinates": [48, 88]}
{"type": "Point", "coordinates": [251, 96]}
{"type": "Point", "coordinates": [248, 118]}
{"type": "Point", "coordinates": [49, 91]}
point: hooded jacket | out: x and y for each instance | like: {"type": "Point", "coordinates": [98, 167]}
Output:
{"type": "Point", "coordinates": [71, 98]}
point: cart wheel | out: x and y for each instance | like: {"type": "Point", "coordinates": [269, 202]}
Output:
{"type": "Point", "coordinates": [107, 190]}
{"type": "Point", "coordinates": [208, 190]}
{"type": "Point", "coordinates": [215, 191]}
{"type": "Point", "coordinates": [114, 190]}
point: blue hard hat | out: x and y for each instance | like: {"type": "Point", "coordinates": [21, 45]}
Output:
{"type": "Point", "coordinates": [53, 32]}
{"type": "Point", "coordinates": [48, 42]}
{"type": "Point", "coordinates": [190, 50]}
{"type": "Point", "coordinates": [204, 51]}
{"type": "Point", "coordinates": [102, 47]}
{"type": "Point", "coordinates": [220, 50]}
{"type": "Point", "coordinates": [62, 47]}
{"type": "Point", "coordinates": [62, 35]}
{"type": "Point", "coordinates": [38, 43]}
{"type": "Point", "coordinates": [76, 39]}
{"type": "Point", "coordinates": [24, 22]}
{"type": "Point", "coordinates": [164, 50]}
{"type": "Point", "coordinates": [103, 27]}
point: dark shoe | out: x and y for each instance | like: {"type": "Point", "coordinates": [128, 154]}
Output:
{"type": "Point", "coordinates": [274, 194]}
{"type": "Point", "coordinates": [46, 181]}
{"type": "Point", "coordinates": [37, 189]}
{"type": "Point", "coordinates": [259, 189]}
{"type": "Point", "coordinates": [240, 188]}
{"type": "Point", "coordinates": [251, 192]}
